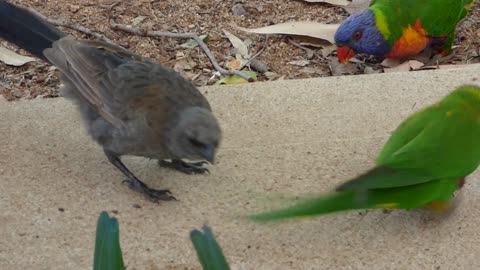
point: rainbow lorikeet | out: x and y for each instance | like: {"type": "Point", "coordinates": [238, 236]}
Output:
{"type": "Point", "coordinates": [400, 28]}
{"type": "Point", "coordinates": [422, 164]}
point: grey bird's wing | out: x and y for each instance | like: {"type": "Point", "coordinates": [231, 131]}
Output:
{"type": "Point", "coordinates": [119, 85]}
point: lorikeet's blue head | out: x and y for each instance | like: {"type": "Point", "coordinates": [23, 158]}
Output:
{"type": "Point", "coordinates": [359, 34]}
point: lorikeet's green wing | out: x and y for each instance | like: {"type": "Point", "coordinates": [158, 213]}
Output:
{"type": "Point", "coordinates": [208, 251]}
{"type": "Point", "coordinates": [108, 254]}
{"type": "Point", "coordinates": [440, 20]}
{"type": "Point", "coordinates": [437, 18]}
{"type": "Point", "coordinates": [407, 197]}
{"type": "Point", "coordinates": [467, 5]}
{"type": "Point", "coordinates": [447, 146]}
{"type": "Point", "coordinates": [384, 177]}
{"type": "Point", "coordinates": [440, 141]}
{"type": "Point", "coordinates": [406, 19]}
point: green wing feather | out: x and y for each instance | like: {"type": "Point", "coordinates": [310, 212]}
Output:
{"type": "Point", "coordinates": [407, 197]}
{"type": "Point", "coordinates": [108, 254]}
{"type": "Point", "coordinates": [384, 177]}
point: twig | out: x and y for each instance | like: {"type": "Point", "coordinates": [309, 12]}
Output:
{"type": "Point", "coordinates": [116, 3]}
{"type": "Point", "coordinates": [203, 46]}
{"type": "Point", "coordinates": [257, 53]}
{"type": "Point", "coordinates": [298, 45]}
{"type": "Point", "coordinates": [71, 26]}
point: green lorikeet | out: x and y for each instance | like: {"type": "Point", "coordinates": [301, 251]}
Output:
{"type": "Point", "coordinates": [400, 28]}
{"type": "Point", "coordinates": [422, 164]}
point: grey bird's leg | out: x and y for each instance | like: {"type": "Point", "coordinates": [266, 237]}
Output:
{"type": "Point", "coordinates": [134, 183]}
{"type": "Point", "coordinates": [182, 166]}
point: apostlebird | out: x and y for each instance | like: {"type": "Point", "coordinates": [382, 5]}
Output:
{"type": "Point", "coordinates": [131, 106]}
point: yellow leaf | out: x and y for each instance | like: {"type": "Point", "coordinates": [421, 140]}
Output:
{"type": "Point", "coordinates": [235, 79]}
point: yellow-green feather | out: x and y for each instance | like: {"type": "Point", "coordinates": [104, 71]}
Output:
{"type": "Point", "coordinates": [437, 17]}
{"type": "Point", "coordinates": [381, 23]}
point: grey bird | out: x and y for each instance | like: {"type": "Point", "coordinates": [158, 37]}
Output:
{"type": "Point", "coordinates": [130, 106]}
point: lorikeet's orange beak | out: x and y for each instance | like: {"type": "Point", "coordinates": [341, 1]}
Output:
{"type": "Point", "coordinates": [344, 54]}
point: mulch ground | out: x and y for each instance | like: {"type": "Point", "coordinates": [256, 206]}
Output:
{"type": "Point", "coordinates": [38, 79]}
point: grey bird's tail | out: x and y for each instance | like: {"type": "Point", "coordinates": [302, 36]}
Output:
{"type": "Point", "coordinates": [26, 29]}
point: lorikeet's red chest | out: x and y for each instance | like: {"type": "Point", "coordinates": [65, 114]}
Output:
{"type": "Point", "coordinates": [413, 41]}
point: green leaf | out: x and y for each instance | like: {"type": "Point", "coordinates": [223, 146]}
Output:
{"type": "Point", "coordinates": [108, 254]}
{"type": "Point", "coordinates": [190, 44]}
{"type": "Point", "coordinates": [235, 79]}
{"type": "Point", "coordinates": [208, 251]}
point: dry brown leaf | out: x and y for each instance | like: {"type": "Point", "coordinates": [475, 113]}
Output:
{"type": "Point", "coordinates": [449, 66]}
{"type": "Point", "coordinates": [332, 2]}
{"type": "Point", "coordinates": [138, 20]}
{"type": "Point", "coordinates": [310, 41]}
{"type": "Point", "coordinates": [339, 69]}
{"type": "Point", "coordinates": [13, 59]}
{"type": "Point", "coordinates": [327, 50]}
{"type": "Point", "coordinates": [184, 64]}
{"type": "Point", "coordinates": [303, 28]}
{"type": "Point", "coordinates": [234, 64]}
{"type": "Point", "coordinates": [310, 70]}
{"type": "Point", "coordinates": [405, 66]}
{"type": "Point", "coordinates": [390, 62]}
{"type": "Point", "coordinates": [271, 75]}
{"type": "Point", "coordinates": [414, 64]}
{"type": "Point", "coordinates": [371, 70]}
{"type": "Point", "coordinates": [201, 80]}
{"type": "Point", "coordinates": [238, 44]}
{"type": "Point", "coordinates": [300, 63]}
{"type": "Point", "coordinates": [357, 6]}
{"type": "Point", "coordinates": [424, 56]}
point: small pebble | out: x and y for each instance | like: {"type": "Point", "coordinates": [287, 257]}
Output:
{"type": "Point", "coordinates": [239, 10]}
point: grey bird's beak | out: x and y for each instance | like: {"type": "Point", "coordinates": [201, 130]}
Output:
{"type": "Point", "coordinates": [209, 153]}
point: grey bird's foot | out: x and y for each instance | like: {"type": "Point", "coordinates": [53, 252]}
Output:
{"type": "Point", "coordinates": [182, 166]}
{"type": "Point", "coordinates": [134, 183]}
{"type": "Point", "coordinates": [153, 195]}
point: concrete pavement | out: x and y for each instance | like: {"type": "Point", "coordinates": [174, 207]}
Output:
{"type": "Point", "coordinates": [280, 138]}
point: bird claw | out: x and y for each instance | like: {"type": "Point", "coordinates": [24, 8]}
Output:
{"type": "Point", "coordinates": [153, 195]}
{"type": "Point", "coordinates": [182, 166]}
